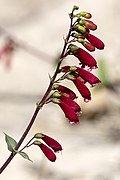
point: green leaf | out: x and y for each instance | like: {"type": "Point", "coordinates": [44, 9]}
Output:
{"type": "Point", "coordinates": [25, 156]}
{"type": "Point", "coordinates": [11, 143]}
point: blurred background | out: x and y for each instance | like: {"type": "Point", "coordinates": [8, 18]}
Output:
{"type": "Point", "coordinates": [91, 150]}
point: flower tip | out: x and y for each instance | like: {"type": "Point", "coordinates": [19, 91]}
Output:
{"type": "Point", "coordinates": [75, 7]}
{"type": "Point", "coordinates": [87, 100]}
{"type": "Point", "coordinates": [73, 122]}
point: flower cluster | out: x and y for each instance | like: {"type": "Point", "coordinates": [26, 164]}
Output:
{"type": "Point", "coordinates": [81, 74]}
{"type": "Point", "coordinates": [52, 146]}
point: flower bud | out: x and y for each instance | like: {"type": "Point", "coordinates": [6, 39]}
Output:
{"type": "Point", "coordinates": [80, 28]}
{"type": "Point", "coordinates": [75, 7]}
{"type": "Point", "coordinates": [88, 24]}
{"type": "Point", "coordinates": [84, 14]}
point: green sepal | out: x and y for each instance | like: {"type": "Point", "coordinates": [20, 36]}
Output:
{"type": "Point", "coordinates": [11, 143]}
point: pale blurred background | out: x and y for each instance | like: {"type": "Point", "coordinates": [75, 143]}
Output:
{"type": "Point", "coordinates": [92, 149]}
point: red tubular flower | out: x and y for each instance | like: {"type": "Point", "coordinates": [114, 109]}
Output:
{"type": "Point", "coordinates": [84, 91]}
{"type": "Point", "coordinates": [48, 152]}
{"type": "Point", "coordinates": [65, 90]}
{"type": "Point", "coordinates": [71, 103]}
{"type": "Point", "coordinates": [84, 57]}
{"type": "Point", "coordinates": [49, 141]}
{"type": "Point", "coordinates": [69, 113]}
{"type": "Point", "coordinates": [87, 76]}
{"type": "Point", "coordinates": [95, 41]}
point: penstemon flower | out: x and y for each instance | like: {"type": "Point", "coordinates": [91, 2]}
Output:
{"type": "Point", "coordinates": [84, 57]}
{"type": "Point", "coordinates": [95, 41]}
{"type": "Point", "coordinates": [68, 110]}
{"type": "Point", "coordinates": [56, 146]}
{"type": "Point", "coordinates": [67, 100]}
{"type": "Point", "coordinates": [46, 150]}
{"type": "Point", "coordinates": [82, 88]}
{"type": "Point", "coordinates": [84, 74]}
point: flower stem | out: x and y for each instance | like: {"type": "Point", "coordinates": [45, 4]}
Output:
{"type": "Point", "coordinates": [42, 102]}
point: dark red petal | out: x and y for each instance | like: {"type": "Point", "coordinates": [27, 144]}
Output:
{"type": "Point", "coordinates": [84, 91]}
{"type": "Point", "coordinates": [95, 41]}
{"type": "Point", "coordinates": [87, 76]}
{"type": "Point", "coordinates": [85, 58]}
{"type": "Point", "coordinates": [68, 91]}
{"type": "Point", "coordinates": [65, 69]}
{"type": "Point", "coordinates": [52, 143]}
{"type": "Point", "coordinates": [69, 113]}
{"type": "Point", "coordinates": [48, 152]}
{"type": "Point", "coordinates": [71, 103]}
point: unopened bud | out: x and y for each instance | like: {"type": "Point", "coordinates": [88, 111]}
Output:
{"type": "Point", "coordinates": [85, 14]}
{"type": "Point", "coordinates": [75, 7]}
{"type": "Point", "coordinates": [80, 28]}
{"type": "Point", "coordinates": [88, 24]}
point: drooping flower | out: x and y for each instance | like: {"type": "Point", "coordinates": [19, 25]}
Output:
{"type": "Point", "coordinates": [68, 111]}
{"type": "Point", "coordinates": [82, 88]}
{"type": "Point", "coordinates": [71, 103]}
{"type": "Point", "coordinates": [95, 41]}
{"type": "Point", "coordinates": [56, 146]}
{"type": "Point", "coordinates": [87, 76]}
{"type": "Point", "coordinates": [84, 57]}
{"type": "Point", "coordinates": [65, 90]}
{"type": "Point", "coordinates": [68, 101]}
{"type": "Point", "coordinates": [46, 150]}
